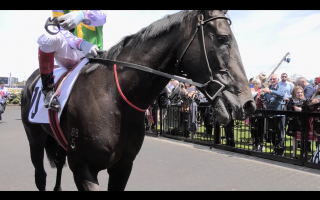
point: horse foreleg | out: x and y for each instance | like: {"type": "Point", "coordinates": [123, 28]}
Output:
{"type": "Point", "coordinates": [85, 177]}
{"type": "Point", "coordinates": [119, 176]}
{"type": "Point", "coordinates": [61, 158]}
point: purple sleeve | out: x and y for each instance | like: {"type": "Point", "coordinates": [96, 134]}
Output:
{"type": "Point", "coordinates": [73, 41]}
{"type": "Point", "coordinates": [95, 17]}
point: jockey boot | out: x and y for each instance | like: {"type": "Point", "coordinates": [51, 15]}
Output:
{"type": "Point", "coordinates": [46, 64]}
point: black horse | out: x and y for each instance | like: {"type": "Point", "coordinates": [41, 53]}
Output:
{"type": "Point", "coordinates": [111, 132]}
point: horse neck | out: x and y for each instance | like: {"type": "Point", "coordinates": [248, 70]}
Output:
{"type": "Point", "coordinates": [142, 88]}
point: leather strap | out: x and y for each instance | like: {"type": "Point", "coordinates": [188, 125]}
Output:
{"type": "Point", "coordinates": [146, 69]}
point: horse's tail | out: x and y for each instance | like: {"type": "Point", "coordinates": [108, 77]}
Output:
{"type": "Point", "coordinates": [52, 148]}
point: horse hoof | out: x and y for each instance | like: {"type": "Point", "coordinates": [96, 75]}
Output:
{"type": "Point", "coordinates": [57, 189]}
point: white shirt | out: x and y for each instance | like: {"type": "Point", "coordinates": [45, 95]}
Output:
{"type": "Point", "coordinates": [3, 92]}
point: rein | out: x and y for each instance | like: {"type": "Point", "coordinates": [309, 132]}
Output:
{"type": "Point", "coordinates": [145, 69]}
{"type": "Point", "coordinates": [200, 24]}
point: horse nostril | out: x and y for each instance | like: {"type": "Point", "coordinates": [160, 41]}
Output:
{"type": "Point", "coordinates": [249, 106]}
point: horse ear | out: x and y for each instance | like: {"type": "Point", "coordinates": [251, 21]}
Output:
{"type": "Point", "coordinates": [224, 11]}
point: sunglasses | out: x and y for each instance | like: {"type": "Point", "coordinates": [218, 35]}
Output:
{"type": "Point", "coordinates": [284, 76]}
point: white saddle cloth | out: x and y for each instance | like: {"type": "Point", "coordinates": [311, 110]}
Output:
{"type": "Point", "coordinates": [38, 113]}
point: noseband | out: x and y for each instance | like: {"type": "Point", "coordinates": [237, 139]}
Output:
{"type": "Point", "coordinates": [201, 24]}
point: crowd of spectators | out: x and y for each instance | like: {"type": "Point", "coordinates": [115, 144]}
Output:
{"type": "Point", "coordinates": [187, 98]}
{"type": "Point", "coordinates": [277, 93]}
{"type": "Point", "coordinates": [285, 94]}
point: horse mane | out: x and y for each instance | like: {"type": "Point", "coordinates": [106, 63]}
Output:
{"type": "Point", "coordinates": [153, 30]}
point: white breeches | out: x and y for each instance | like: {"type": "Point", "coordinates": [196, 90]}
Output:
{"type": "Point", "coordinates": [64, 55]}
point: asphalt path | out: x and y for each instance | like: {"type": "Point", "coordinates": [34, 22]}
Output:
{"type": "Point", "coordinates": [162, 164]}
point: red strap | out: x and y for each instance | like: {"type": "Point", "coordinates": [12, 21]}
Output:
{"type": "Point", "coordinates": [124, 98]}
{"type": "Point", "coordinates": [56, 129]}
{"type": "Point", "coordinates": [53, 117]}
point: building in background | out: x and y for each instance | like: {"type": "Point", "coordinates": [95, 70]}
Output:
{"type": "Point", "coordinates": [6, 80]}
{"type": "Point", "coordinates": [14, 80]}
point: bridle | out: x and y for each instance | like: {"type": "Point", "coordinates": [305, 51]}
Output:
{"type": "Point", "coordinates": [201, 23]}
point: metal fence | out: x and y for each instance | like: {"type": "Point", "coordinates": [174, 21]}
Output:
{"type": "Point", "coordinates": [285, 136]}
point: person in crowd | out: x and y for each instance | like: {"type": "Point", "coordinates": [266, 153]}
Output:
{"type": "Point", "coordinates": [272, 98]}
{"type": "Point", "coordinates": [315, 107]}
{"type": "Point", "coordinates": [255, 92]}
{"type": "Point", "coordinates": [295, 103]}
{"type": "Point", "coordinates": [308, 90]}
{"type": "Point", "coordinates": [257, 122]}
{"type": "Point", "coordinates": [149, 120]}
{"type": "Point", "coordinates": [263, 79]}
{"type": "Point", "coordinates": [193, 109]}
{"type": "Point", "coordinates": [314, 124]}
{"type": "Point", "coordinates": [68, 47]}
{"type": "Point", "coordinates": [171, 85]}
{"type": "Point", "coordinates": [316, 82]}
{"type": "Point", "coordinates": [182, 88]}
{"type": "Point", "coordinates": [286, 86]}
{"type": "Point", "coordinates": [175, 97]}
{"type": "Point", "coordinates": [256, 88]}
{"type": "Point", "coordinates": [3, 97]}
{"type": "Point", "coordinates": [163, 104]}
{"type": "Point", "coordinates": [175, 120]}
{"type": "Point", "coordinates": [315, 99]}
{"type": "Point", "coordinates": [250, 82]}
{"type": "Point", "coordinates": [168, 88]}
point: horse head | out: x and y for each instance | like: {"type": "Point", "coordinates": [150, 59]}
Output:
{"type": "Point", "coordinates": [214, 53]}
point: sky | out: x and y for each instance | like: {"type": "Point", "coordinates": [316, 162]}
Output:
{"type": "Point", "coordinates": [263, 37]}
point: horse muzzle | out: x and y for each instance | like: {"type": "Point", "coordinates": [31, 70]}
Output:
{"type": "Point", "coordinates": [241, 106]}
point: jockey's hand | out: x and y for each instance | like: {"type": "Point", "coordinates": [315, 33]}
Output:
{"type": "Point", "coordinates": [71, 20]}
{"type": "Point", "coordinates": [89, 49]}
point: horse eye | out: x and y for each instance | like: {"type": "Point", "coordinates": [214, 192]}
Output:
{"type": "Point", "coordinates": [222, 39]}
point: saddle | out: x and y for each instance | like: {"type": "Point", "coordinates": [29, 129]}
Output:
{"type": "Point", "coordinates": [64, 81]}
{"type": "Point", "coordinates": [38, 113]}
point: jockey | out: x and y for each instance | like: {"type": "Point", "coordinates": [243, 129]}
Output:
{"type": "Point", "coordinates": [3, 90]}
{"type": "Point", "coordinates": [67, 48]}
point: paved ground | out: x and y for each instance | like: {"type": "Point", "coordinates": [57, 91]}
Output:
{"type": "Point", "coordinates": [162, 164]}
